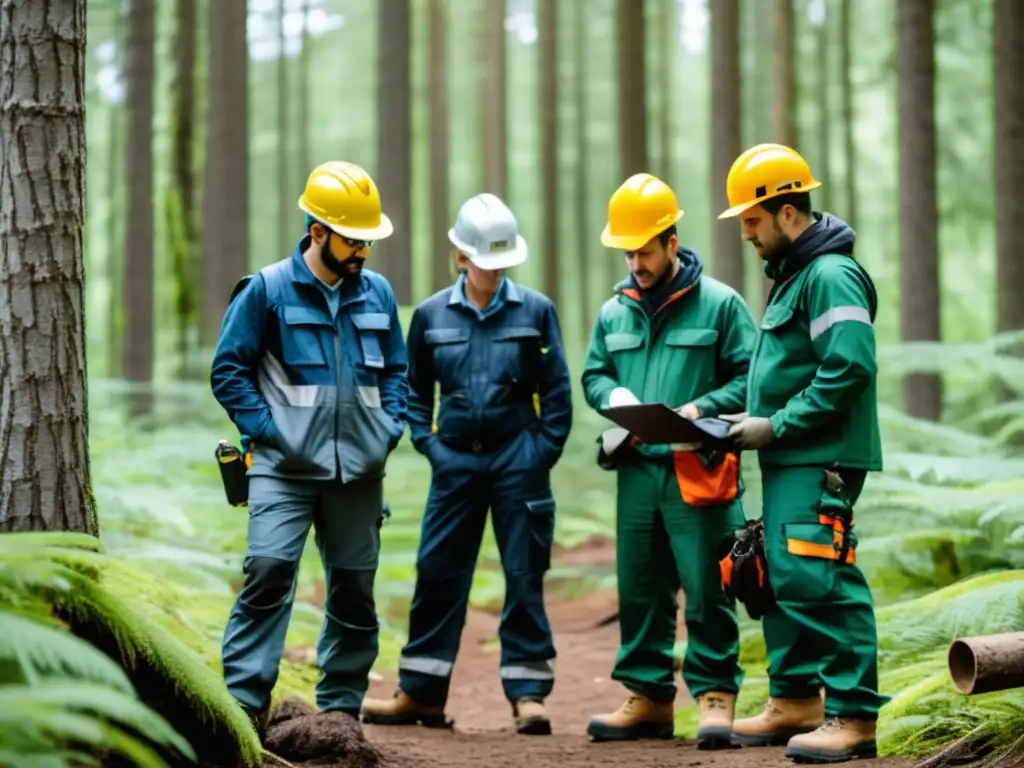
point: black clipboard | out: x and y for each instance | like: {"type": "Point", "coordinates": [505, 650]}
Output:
{"type": "Point", "coordinates": [657, 423]}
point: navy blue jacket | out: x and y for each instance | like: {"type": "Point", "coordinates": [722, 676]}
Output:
{"type": "Point", "coordinates": [314, 394]}
{"type": "Point", "coordinates": [488, 369]}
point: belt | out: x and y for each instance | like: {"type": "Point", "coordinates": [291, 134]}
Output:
{"type": "Point", "coordinates": [487, 444]}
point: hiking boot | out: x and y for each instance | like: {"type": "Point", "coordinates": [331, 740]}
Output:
{"type": "Point", "coordinates": [403, 709]}
{"type": "Point", "coordinates": [638, 718]}
{"type": "Point", "coordinates": [836, 740]}
{"type": "Point", "coordinates": [781, 720]}
{"type": "Point", "coordinates": [716, 715]}
{"type": "Point", "coordinates": [531, 717]}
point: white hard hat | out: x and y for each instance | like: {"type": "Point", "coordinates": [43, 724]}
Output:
{"type": "Point", "coordinates": [486, 231]}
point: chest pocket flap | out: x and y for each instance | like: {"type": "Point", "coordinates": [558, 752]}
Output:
{"type": "Point", "coordinates": [301, 342]}
{"type": "Point", "coordinates": [691, 337]}
{"type": "Point", "coordinates": [370, 326]}
{"type": "Point", "coordinates": [517, 333]}
{"type": "Point", "coordinates": [776, 316]}
{"type": "Point", "coordinates": [621, 342]}
{"type": "Point", "coordinates": [435, 336]}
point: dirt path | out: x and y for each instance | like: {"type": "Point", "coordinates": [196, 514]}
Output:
{"type": "Point", "coordinates": [483, 733]}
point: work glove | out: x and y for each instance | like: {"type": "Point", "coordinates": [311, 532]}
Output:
{"type": "Point", "coordinates": [750, 433]}
{"type": "Point", "coordinates": [689, 411]}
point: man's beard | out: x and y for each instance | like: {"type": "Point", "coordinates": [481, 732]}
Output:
{"type": "Point", "coordinates": [353, 265]}
{"type": "Point", "coordinates": [778, 249]}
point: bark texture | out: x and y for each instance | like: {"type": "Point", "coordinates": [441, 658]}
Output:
{"type": "Point", "coordinates": [44, 456]}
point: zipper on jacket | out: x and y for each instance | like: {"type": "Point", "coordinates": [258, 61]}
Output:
{"type": "Point", "coordinates": [337, 404]}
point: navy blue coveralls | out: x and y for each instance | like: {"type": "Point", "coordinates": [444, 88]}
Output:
{"type": "Point", "coordinates": [314, 378]}
{"type": "Point", "coordinates": [491, 450]}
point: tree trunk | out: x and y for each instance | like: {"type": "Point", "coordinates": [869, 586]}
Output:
{"type": "Point", "coordinates": [1009, 163]}
{"type": "Point", "coordinates": [919, 246]}
{"type": "Point", "coordinates": [547, 62]}
{"type": "Point", "coordinates": [783, 87]}
{"type": "Point", "coordinates": [823, 98]}
{"type": "Point", "coordinates": [137, 366]}
{"type": "Point", "coordinates": [848, 114]}
{"type": "Point", "coordinates": [226, 182]}
{"type": "Point", "coordinates": [304, 160]}
{"type": "Point", "coordinates": [584, 237]}
{"type": "Point", "coordinates": [669, 60]}
{"type": "Point", "coordinates": [437, 86]}
{"type": "Point", "coordinates": [494, 97]}
{"type": "Point", "coordinates": [633, 157]}
{"type": "Point", "coordinates": [727, 246]}
{"type": "Point", "coordinates": [394, 149]}
{"type": "Point", "coordinates": [285, 212]}
{"type": "Point", "coordinates": [44, 416]}
{"type": "Point", "coordinates": [183, 244]}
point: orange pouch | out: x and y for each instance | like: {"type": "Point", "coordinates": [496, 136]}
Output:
{"type": "Point", "coordinates": [703, 486]}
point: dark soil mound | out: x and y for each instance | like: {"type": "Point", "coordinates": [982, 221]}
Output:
{"type": "Point", "coordinates": [303, 736]}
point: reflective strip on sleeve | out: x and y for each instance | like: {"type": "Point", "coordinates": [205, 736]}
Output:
{"type": "Point", "coordinates": [830, 317]}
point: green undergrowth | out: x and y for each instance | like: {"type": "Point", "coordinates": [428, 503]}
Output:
{"type": "Point", "coordinates": [149, 625]}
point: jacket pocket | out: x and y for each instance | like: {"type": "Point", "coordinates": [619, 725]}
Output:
{"type": "Point", "coordinates": [702, 485]}
{"type": "Point", "coordinates": [541, 521]}
{"type": "Point", "coordinates": [371, 433]}
{"type": "Point", "coordinates": [370, 329]}
{"type": "Point", "coordinates": [518, 350]}
{"type": "Point", "coordinates": [306, 334]}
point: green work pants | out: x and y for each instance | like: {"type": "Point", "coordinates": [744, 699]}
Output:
{"type": "Point", "coordinates": [662, 544]}
{"type": "Point", "coordinates": [822, 632]}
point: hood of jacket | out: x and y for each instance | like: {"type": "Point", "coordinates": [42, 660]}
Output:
{"type": "Point", "coordinates": [690, 270]}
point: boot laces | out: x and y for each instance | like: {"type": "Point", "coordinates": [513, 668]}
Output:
{"type": "Point", "coordinates": [714, 702]}
{"type": "Point", "coordinates": [831, 724]}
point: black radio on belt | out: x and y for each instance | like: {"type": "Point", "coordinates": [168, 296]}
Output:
{"type": "Point", "coordinates": [233, 473]}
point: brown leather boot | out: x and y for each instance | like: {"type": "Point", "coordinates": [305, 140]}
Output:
{"type": "Point", "coordinates": [531, 717]}
{"type": "Point", "coordinates": [716, 715]}
{"type": "Point", "coordinates": [403, 709]}
{"type": "Point", "coordinates": [779, 722]}
{"type": "Point", "coordinates": [638, 718]}
{"type": "Point", "coordinates": [837, 740]}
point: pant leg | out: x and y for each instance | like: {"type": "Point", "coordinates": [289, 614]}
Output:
{"type": "Point", "coordinates": [647, 583]}
{"type": "Point", "coordinates": [712, 628]}
{"type": "Point", "coordinates": [823, 631]}
{"type": "Point", "coordinates": [523, 514]}
{"type": "Point", "coordinates": [348, 538]}
{"type": "Point", "coordinates": [280, 515]}
{"type": "Point", "coordinates": [450, 537]}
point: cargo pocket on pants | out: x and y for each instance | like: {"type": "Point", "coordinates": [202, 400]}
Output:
{"type": "Point", "coordinates": [807, 572]}
{"type": "Point", "coordinates": [541, 521]}
{"type": "Point", "coordinates": [702, 485]}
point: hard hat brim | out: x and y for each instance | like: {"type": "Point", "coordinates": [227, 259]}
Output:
{"type": "Point", "coordinates": [633, 242]}
{"type": "Point", "coordinates": [492, 261]}
{"type": "Point", "coordinates": [736, 210]}
{"type": "Point", "coordinates": [381, 231]}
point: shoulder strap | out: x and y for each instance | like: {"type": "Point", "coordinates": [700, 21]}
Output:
{"type": "Point", "coordinates": [272, 277]}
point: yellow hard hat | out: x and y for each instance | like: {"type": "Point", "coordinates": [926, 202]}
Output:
{"type": "Point", "coordinates": [764, 172]}
{"type": "Point", "coordinates": [643, 207]}
{"type": "Point", "coordinates": [342, 196]}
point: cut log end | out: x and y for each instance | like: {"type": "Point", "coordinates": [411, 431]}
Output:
{"type": "Point", "coordinates": [987, 663]}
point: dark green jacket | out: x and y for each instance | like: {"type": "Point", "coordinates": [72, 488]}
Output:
{"type": "Point", "coordinates": [813, 368]}
{"type": "Point", "coordinates": [687, 342]}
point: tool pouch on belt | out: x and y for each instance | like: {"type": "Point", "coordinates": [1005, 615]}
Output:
{"type": "Point", "coordinates": [707, 477]}
{"type": "Point", "coordinates": [233, 473]}
{"type": "Point", "coordinates": [744, 569]}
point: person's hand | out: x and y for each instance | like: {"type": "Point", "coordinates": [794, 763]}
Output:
{"type": "Point", "coordinates": [689, 411]}
{"type": "Point", "coordinates": [751, 433]}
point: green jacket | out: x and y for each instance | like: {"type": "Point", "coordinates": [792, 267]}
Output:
{"type": "Point", "coordinates": [687, 342]}
{"type": "Point", "coordinates": [813, 369]}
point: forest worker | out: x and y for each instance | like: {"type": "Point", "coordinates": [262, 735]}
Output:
{"type": "Point", "coordinates": [673, 335]}
{"type": "Point", "coordinates": [311, 367]}
{"type": "Point", "coordinates": [811, 416]}
{"type": "Point", "coordinates": [491, 346]}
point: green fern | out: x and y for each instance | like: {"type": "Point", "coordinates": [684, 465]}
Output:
{"type": "Point", "coordinates": [35, 720]}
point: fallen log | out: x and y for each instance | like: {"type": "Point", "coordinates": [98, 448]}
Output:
{"type": "Point", "coordinates": [987, 663]}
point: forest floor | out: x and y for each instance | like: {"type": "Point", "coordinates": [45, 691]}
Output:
{"type": "Point", "coordinates": [483, 733]}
